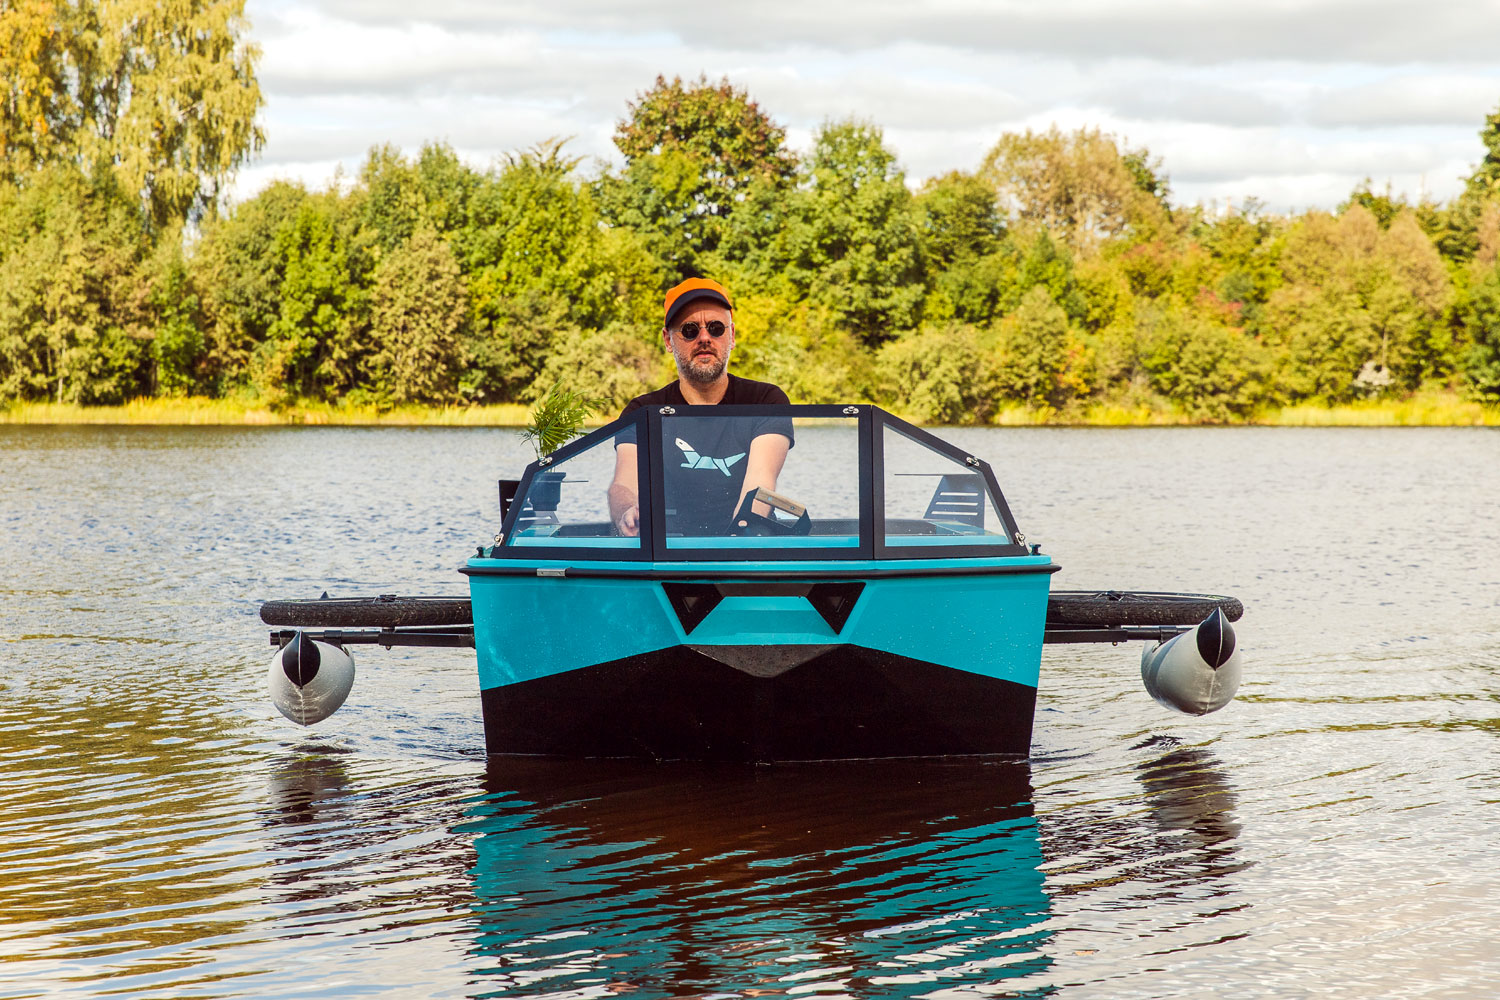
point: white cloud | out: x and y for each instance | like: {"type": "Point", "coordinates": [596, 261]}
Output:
{"type": "Point", "coordinates": [1199, 32]}
{"type": "Point", "coordinates": [1293, 102]}
{"type": "Point", "coordinates": [1164, 98]}
{"type": "Point", "coordinates": [1424, 100]}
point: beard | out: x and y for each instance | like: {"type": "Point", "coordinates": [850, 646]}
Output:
{"type": "Point", "coordinates": [704, 368]}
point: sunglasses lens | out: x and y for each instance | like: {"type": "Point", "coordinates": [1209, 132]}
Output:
{"type": "Point", "coordinates": [689, 331]}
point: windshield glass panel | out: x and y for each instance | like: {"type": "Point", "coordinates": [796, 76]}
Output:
{"type": "Point", "coordinates": [932, 499]}
{"type": "Point", "coordinates": [568, 505]}
{"type": "Point", "coordinates": [805, 469]}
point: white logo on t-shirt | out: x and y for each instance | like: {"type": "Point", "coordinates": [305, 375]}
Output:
{"type": "Point", "coordinates": [697, 461]}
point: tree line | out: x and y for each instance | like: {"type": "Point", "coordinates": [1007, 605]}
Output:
{"type": "Point", "coordinates": [1058, 275]}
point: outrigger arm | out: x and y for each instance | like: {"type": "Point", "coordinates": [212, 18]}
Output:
{"type": "Point", "coordinates": [453, 637]}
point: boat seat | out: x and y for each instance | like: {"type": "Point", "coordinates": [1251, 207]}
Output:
{"type": "Point", "coordinates": [960, 498]}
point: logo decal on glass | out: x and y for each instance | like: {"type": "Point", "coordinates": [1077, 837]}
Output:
{"type": "Point", "coordinates": [697, 461]}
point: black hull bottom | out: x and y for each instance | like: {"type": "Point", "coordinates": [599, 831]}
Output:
{"type": "Point", "coordinates": [845, 702]}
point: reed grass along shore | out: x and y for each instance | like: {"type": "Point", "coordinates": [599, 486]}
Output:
{"type": "Point", "coordinates": [1425, 409]}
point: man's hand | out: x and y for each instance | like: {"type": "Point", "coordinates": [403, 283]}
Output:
{"type": "Point", "coordinates": [767, 456]}
{"type": "Point", "coordinates": [623, 493]}
{"type": "Point", "coordinates": [629, 523]}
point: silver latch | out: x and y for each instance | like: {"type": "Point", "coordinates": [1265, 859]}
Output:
{"type": "Point", "coordinates": [544, 461]}
{"type": "Point", "coordinates": [552, 571]}
{"type": "Point", "coordinates": [667, 411]}
{"type": "Point", "coordinates": [850, 411]}
{"type": "Point", "coordinates": [1020, 538]}
{"type": "Point", "coordinates": [971, 460]}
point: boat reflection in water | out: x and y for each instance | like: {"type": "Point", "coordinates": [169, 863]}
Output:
{"type": "Point", "coordinates": [889, 878]}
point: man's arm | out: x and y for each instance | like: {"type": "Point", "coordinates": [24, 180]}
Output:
{"type": "Point", "coordinates": [767, 456]}
{"type": "Point", "coordinates": [624, 492]}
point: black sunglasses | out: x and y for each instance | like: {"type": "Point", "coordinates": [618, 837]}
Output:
{"type": "Point", "coordinates": [689, 331]}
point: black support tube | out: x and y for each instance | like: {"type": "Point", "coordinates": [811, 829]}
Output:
{"type": "Point", "coordinates": [454, 638]}
{"type": "Point", "coordinates": [1121, 633]}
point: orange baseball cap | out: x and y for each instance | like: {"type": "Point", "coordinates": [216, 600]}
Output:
{"type": "Point", "coordinates": [692, 290]}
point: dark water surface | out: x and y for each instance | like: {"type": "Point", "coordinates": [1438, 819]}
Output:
{"type": "Point", "coordinates": [165, 833]}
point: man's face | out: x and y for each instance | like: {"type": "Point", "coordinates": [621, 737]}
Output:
{"type": "Point", "coordinates": [704, 359]}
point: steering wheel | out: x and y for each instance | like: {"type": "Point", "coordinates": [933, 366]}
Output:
{"type": "Point", "coordinates": [747, 522]}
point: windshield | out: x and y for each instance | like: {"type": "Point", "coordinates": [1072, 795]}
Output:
{"type": "Point", "coordinates": [764, 481]}
{"type": "Point", "coordinates": [773, 482]}
{"type": "Point", "coordinates": [567, 503]}
{"type": "Point", "coordinates": [934, 499]}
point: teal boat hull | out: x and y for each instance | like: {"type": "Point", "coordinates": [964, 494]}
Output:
{"type": "Point", "coordinates": [742, 661]}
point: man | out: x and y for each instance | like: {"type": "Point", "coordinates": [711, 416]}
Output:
{"type": "Point", "coordinates": [731, 456]}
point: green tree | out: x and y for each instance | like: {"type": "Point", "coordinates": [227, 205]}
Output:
{"type": "Point", "coordinates": [1079, 185]}
{"type": "Point", "coordinates": [1479, 312]}
{"type": "Point", "coordinates": [752, 251]}
{"type": "Point", "coordinates": [1033, 351]}
{"type": "Point", "coordinates": [239, 271]}
{"type": "Point", "coordinates": [1481, 318]}
{"type": "Point", "coordinates": [969, 263]}
{"type": "Point", "coordinates": [731, 141]}
{"type": "Point", "coordinates": [976, 290]}
{"type": "Point", "coordinates": [162, 91]}
{"type": "Point", "coordinates": [1384, 205]}
{"type": "Point", "coordinates": [615, 364]}
{"type": "Point", "coordinates": [1049, 265]}
{"type": "Point", "coordinates": [177, 342]}
{"type": "Point", "coordinates": [693, 153]}
{"type": "Point", "coordinates": [1209, 369]}
{"type": "Point", "coordinates": [800, 346]}
{"type": "Point", "coordinates": [659, 198]}
{"type": "Point", "coordinates": [1458, 238]}
{"type": "Point", "coordinates": [1146, 171]}
{"type": "Point", "coordinates": [959, 219]}
{"type": "Point", "coordinates": [1356, 296]}
{"type": "Point", "coordinates": [418, 304]}
{"type": "Point", "coordinates": [315, 346]}
{"type": "Point", "coordinates": [533, 215]}
{"type": "Point", "coordinates": [387, 201]}
{"type": "Point", "coordinates": [1246, 246]}
{"type": "Point", "coordinates": [540, 266]}
{"type": "Point", "coordinates": [852, 242]}
{"type": "Point", "coordinates": [527, 222]}
{"type": "Point", "coordinates": [939, 375]}
{"type": "Point", "coordinates": [72, 287]}
{"type": "Point", "coordinates": [1483, 183]}
{"type": "Point", "coordinates": [447, 185]}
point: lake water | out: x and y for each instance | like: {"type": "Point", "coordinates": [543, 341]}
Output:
{"type": "Point", "coordinates": [165, 833]}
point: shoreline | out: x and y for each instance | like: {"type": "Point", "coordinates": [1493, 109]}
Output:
{"type": "Point", "coordinates": [1429, 409]}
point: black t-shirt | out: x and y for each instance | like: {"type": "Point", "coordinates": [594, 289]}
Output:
{"type": "Point", "coordinates": [704, 478]}
{"type": "Point", "coordinates": [741, 392]}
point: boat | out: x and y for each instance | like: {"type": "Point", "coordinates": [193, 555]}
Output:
{"type": "Point", "coordinates": [871, 597]}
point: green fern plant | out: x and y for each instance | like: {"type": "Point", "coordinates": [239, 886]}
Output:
{"type": "Point", "coordinates": [558, 418]}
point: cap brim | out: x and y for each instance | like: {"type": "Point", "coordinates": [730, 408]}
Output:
{"type": "Point", "coordinates": [697, 295]}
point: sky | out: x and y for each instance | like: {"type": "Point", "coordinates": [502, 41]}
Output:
{"type": "Point", "coordinates": [1292, 103]}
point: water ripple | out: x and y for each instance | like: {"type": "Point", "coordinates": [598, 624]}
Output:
{"type": "Point", "coordinates": [163, 833]}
